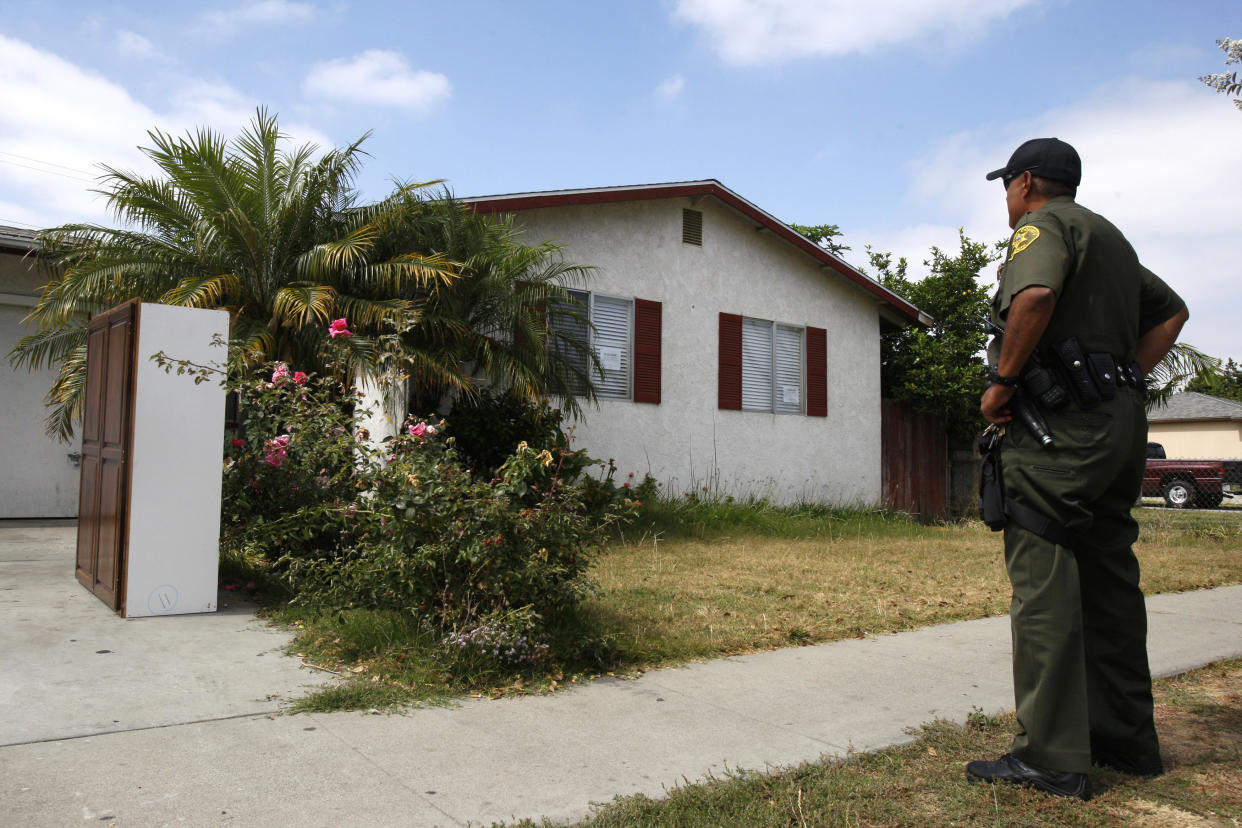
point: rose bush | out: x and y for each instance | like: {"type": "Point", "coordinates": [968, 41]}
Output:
{"type": "Point", "coordinates": [404, 525]}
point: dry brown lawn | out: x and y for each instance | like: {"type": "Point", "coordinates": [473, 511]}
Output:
{"type": "Point", "coordinates": [688, 599]}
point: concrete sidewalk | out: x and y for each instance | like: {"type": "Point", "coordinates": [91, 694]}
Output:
{"type": "Point", "coordinates": [179, 728]}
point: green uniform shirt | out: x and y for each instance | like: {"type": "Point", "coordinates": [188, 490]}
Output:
{"type": "Point", "coordinates": [1105, 297]}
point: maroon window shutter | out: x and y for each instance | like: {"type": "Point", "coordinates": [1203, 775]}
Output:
{"type": "Point", "coordinates": [816, 372]}
{"type": "Point", "coordinates": [730, 385]}
{"type": "Point", "coordinates": [647, 335]}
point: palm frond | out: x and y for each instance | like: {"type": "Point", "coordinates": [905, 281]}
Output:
{"type": "Point", "coordinates": [67, 396]}
{"type": "Point", "coordinates": [370, 314]}
{"type": "Point", "coordinates": [252, 340]}
{"type": "Point", "coordinates": [302, 305]}
{"type": "Point", "coordinates": [203, 291]}
{"type": "Point", "coordinates": [1182, 362]}
{"type": "Point", "coordinates": [48, 347]}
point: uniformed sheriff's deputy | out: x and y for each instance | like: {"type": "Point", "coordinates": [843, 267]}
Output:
{"type": "Point", "coordinates": [1072, 291]}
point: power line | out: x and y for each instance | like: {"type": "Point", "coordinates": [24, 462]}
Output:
{"type": "Point", "coordinates": [45, 163]}
{"type": "Point", "coordinates": [49, 172]}
{"type": "Point", "coordinates": [16, 223]}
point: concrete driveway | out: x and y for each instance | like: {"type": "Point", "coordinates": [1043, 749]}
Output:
{"type": "Point", "coordinates": [72, 667]}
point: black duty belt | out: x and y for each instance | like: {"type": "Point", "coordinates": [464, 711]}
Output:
{"type": "Point", "coordinates": [1095, 377]}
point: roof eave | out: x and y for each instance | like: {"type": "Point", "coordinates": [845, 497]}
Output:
{"type": "Point", "coordinates": [15, 240]}
{"type": "Point", "coordinates": [905, 312]}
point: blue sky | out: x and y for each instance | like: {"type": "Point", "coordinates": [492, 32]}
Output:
{"type": "Point", "coordinates": [881, 116]}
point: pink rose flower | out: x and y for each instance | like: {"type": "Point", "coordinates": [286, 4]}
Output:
{"type": "Point", "coordinates": [299, 378]}
{"type": "Point", "coordinates": [418, 430]}
{"type": "Point", "coordinates": [276, 450]}
{"type": "Point", "coordinates": [431, 429]}
{"type": "Point", "coordinates": [339, 327]}
{"type": "Point", "coordinates": [281, 372]}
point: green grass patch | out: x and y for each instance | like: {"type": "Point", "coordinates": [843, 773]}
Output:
{"type": "Point", "coordinates": [354, 695]}
{"type": "Point", "coordinates": [386, 658]}
{"type": "Point", "coordinates": [707, 519]}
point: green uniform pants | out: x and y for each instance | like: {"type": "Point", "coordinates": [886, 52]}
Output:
{"type": "Point", "coordinates": [1079, 622]}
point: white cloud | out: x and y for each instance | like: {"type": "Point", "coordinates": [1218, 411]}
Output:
{"type": "Point", "coordinates": [671, 87]}
{"type": "Point", "coordinates": [69, 120]}
{"type": "Point", "coordinates": [1159, 160]}
{"type": "Point", "coordinates": [133, 45]}
{"type": "Point", "coordinates": [376, 77]}
{"type": "Point", "coordinates": [763, 32]}
{"type": "Point", "coordinates": [263, 13]}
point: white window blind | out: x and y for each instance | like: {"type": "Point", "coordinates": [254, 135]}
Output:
{"type": "Point", "coordinates": [787, 363]}
{"type": "Point", "coordinates": [613, 321]}
{"type": "Point", "coordinates": [570, 321]}
{"type": "Point", "coordinates": [772, 367]}
{"type": "Point", "coordinates": [756, 365]}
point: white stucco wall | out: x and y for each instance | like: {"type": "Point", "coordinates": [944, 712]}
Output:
{"type": "Point", "coordinates": [38, 477]}
{"type": "Point", "coordinates": [686, 442]}
{"type": "Point", "coordinates": [176, 466]}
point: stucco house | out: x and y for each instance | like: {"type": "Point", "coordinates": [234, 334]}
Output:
{"type": "Point", "coordinates": [739, 357]}
{"type": "Point", "coordinates": [38, 475]}
{"type": "Point", "coordinates": [1197, 426]}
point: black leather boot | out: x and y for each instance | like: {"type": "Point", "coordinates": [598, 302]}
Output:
{"type": "Point", "coordinates": [1010, 768]}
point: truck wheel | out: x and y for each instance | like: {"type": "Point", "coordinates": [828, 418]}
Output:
{"type": "Point", "coordinates": [1210, 501]}
{"type": "Point", "coordinates": [1179, 494]}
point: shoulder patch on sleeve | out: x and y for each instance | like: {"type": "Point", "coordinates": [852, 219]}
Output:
{"type": "Point", "coordinates": [1022, 239]}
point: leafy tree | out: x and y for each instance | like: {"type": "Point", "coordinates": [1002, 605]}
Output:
{"type": "Point", "coordinates": [939, 370]}
{"type": "Point", "coordinates": [490, 325]}
{"type": "Point", "coordinates": [279, 239]}
{"type": "Point", "coordinates": [1227, 83]}
{"type": "Point", "coordinates": [825, 235]}
{"type": "Point", "coordinates": [273, 236]}
{"type": "Point", "coordinates": [1225, 382]}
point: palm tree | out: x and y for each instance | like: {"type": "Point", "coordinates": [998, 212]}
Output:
{"type": "Point", "coordinates": [1179, 365]}
{"type": "Point", "coordinates": [274, 237]}
{"type": "Point", "coordinates": [493, 322]}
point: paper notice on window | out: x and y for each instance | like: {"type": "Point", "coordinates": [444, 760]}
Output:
{"type": "Point", "coordinates": [791, 394]}
{"type": "Point", "coordinates": [609, 358]}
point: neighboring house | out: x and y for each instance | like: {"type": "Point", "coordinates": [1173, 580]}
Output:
{"type": "Point", "coordinates": [1197, 426]}
{"type": "Point", "coordinates": [739, 357]}
{"type": "Point", "coordinates": [38, 475]}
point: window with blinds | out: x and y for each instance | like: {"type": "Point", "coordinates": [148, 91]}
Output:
{"type": "Point", "coordinates": [625, 337]}
{"type": "Point", "coordinates": [567, 323]}
{"type": "Point", "coordinates": [612, 319]}
{"type": "Point", "coordinates": [768, 366]}
{"type": "Point", "coordinates": [787, 370]}
{"type": "Point", "coordinates": [772, 367]}
{"type": "Point", "coordinates": [756, 365]}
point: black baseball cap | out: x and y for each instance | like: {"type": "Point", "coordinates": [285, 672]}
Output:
{"type": "Point", "coordinates": [1046, 158]}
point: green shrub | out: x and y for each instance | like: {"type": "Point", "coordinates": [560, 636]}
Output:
{"type": "Point", "coordinates": [487, 427]}
{"type": "Point", "coordinates": [432, 539]}
{"type": "Point", "coordinates": [491, 563]}
{"type": "Point", "coordinates": [294, 465]}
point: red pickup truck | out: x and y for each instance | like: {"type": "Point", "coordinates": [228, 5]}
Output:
{"type": "Point", "coordinates": [1188, 483]}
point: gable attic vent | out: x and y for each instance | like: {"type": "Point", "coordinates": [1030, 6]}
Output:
{"type": "Point", "coordinates": [692, 226]}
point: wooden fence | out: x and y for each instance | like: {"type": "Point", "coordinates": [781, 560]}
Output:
{"type": "Point", "coordinates": [915, 462]}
